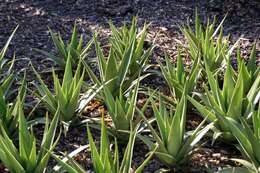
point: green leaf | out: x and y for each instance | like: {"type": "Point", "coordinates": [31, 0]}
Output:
{"type": "Point", "coordinates": [203, 109]}
{"type": "Point", "coordinates": [124, 66]}
{"type": "Point", "coordinates": [252, 60]}
{"type": "Point", "coordinates": [101, 58]}
{"type": "Point", "coordinates": [3, 51]}
{"type": "Point", "coordinates": [97, 163]}
{"type": "Point", "coordinates": [235, 106]}
{"type": "Point", "coordinates": [177, 127]}
{"type": "Point", "coordinates": [229, 84]}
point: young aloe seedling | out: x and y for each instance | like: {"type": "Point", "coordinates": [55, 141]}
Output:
{"type": "Point", "coordinates": [249, 143]}
{"type": "Point", "coordinates": [236, 99]}
{"type": "Point", "coordinates": [122, 111]}
{"type": "Point", "coordinates": [74, 47]}
{"type": "Point", "coordinates": [251, 70]}
{"type": "Point", "coordinates": [176, 75]}
{"type": "Point", "coordinates": [9, 113]}
{"type": "Point", "coordinates": [174, 145]}
{"type": "Point", "coordinates": [66, 94]}
{"type": "Point", "coordinates": [203, 43]}
{"type": "Point", "coordinates": [127, 59]}
{"type": "Point", "coordinates": [27, 158]}
{"type": "Point", "coordinates": [6, 74]}
{"type": "Point", "coordinates": [105, 160]}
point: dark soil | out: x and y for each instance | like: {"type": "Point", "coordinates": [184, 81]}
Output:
{"type": "Point", "coordinates": [35, 16]}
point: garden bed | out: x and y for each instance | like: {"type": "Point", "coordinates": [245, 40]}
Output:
{"type": "Point", "coordinates": [166, 17]}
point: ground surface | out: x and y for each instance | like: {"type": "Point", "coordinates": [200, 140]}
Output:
{"type": "Point", "coordinates": [35, 16]}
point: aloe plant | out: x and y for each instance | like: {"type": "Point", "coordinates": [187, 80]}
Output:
{"type": "Point", "coordinates": [176, 75]}
{"type": "Point", "coordinates": [27, 158]}
{"type": "Point", "coordinates": [6, 74]}
{"type": "Point", "coordinates": [66, 94]}
{"type": "Point", "coordinates": [249, 142]}
{"type": "Point", "coordinates": [9, 113]}
{"type": "Point", "coordinates": [174, 145]}
{"type": "Point", "coordinates": [106, 160]}
{"type": "Point", "coordinates": [122, 111]}
{"type": "Point", "coordinates": [207, 43]}
{"type": "Point", "coordinates": [122, 38]}
{"type": "Point", "coordinates": [74, 47]}
{"type": "Point", "coordinates": [251, 69]}
{"type": "Point", "coordinates": [235, 99]}
{"type": "Point", "coordinates": [127, 59]}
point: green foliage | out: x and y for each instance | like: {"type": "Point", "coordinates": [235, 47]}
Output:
{"type": "Point", "coordinates": [105, 160]}
{"type": "Point", "coordinates": [202, 43]}
{"type": "Point", "coordinates": [127, 59]}
{"type": "Point", "coordinates": [66, 94]}
{"type": "Point", "coordinates": [26, 158]}
{"type": "Point", "coordinates": [230, 103]}
{"type": "Point", "coordinates": [122, 110]}
{"type": "Point", "coordinates": [176, 75]}
{"type": "Point", "coordinates": [236, 99]}
{"type": "Point", "coordinates": [6, 73]}
{"type": "Point", "coordinates": [249, 140]}
{"type": "Point", "coordinates": [74, 48]}
{"type": "Point", "coordinates": [9, 113]}
{"type": "Point", "coordinates": [124, 38]}
{"type": "Point", "coordinates": [250, 68]}
{"type": "Point", "coordinates": [174, 146]}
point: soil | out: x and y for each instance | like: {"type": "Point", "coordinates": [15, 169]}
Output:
{"type": "Point", "coordinates": [166, 16]}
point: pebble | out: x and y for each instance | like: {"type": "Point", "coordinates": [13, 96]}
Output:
{"type": "Point", "coordinates": [216, 155]}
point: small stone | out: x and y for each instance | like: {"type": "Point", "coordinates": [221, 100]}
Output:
{"type": "Point", "coordinates": [163, 29]}
{"type": "Point", "coordinates": [223, 158]}
{"type": "Point", "coordinates": [216, 155]}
